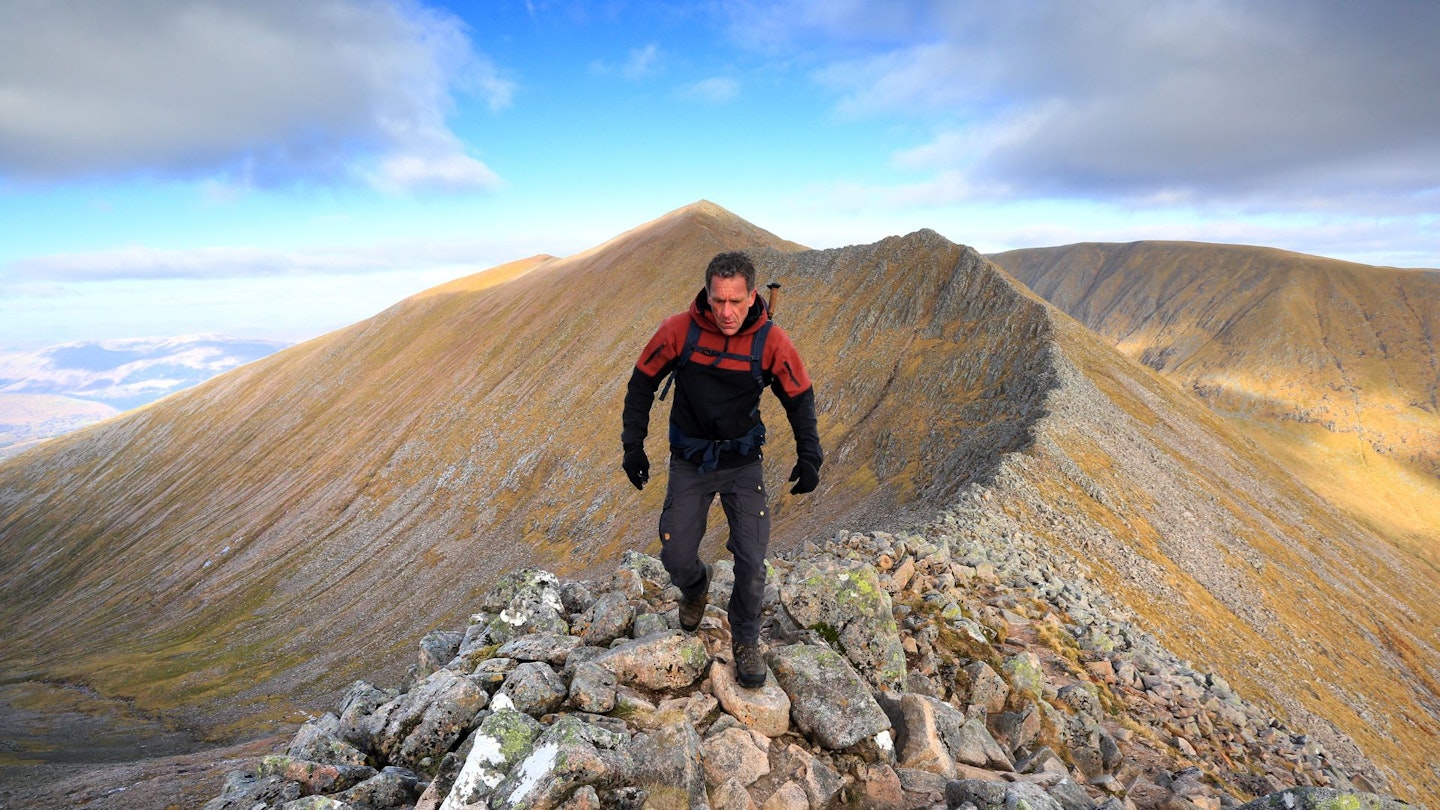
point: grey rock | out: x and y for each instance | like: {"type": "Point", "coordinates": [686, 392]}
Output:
{"type": "Point", "coordinates": [364, 712]}
{"type": "Point", "coordinates": [664, 661]}
{"type": "Point", "coordinates": [313, 777]}
{"type": "Point", "coordinates": [592, 689]}
{"type": "Point", "coordinates": [549, 648]}
{"type": "Point", "coordinates": [392, 787]}
{"type": "Point", "coordinates": [828, 700]}
{"type": "Point", "coordinates": [608, 619]}
{"type": "Point", "coordinates": [243, 791]}
{"type": "Point", "coordinates": [845, 601]}
{"type": "Point", "coordinates": [986, 795]}
{"type": "Point", "coordinates": [576, 597]}
{"type": "Point", "coordinates": [568, 754]}
{"type": "Point", "coordinates": [427, 721]}
{"type": "Point", "coordinates": [438, 648]}
{"type": "Point", "coordinates": [317, 741]}
{"type": "Point", "coordinates": [668, 761]}
{"type": "Point", "coordinates": [504, 738]}
{"type": "Point", "coordinates": [533, 689]}
{"type": "Point", "coordinates": [648, 624]}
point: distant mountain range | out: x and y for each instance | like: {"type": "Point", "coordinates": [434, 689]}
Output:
{"type": "Point", "coordinates": [50, 391]}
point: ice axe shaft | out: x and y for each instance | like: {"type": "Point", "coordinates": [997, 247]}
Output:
{"type": "Point", "coordinates": [772, 298]}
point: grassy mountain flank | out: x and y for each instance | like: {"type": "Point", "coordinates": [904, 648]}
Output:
{"type": "Point", "coordinates": [255, 544]}
{"type": "Point", "coordinates": [1331, 366]}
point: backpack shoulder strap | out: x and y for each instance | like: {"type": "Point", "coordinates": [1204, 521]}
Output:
{"type": "Point", "coordinates": [757, 354]}
{"type": "Point", "coordinates": [692, 340]}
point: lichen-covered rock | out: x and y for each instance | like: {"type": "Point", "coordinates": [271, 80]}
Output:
{"type": "Point", "coordinates": [828, 699]}
{"type": "Point", "coordinates": [568, 754]}
{"type": "Point", "coordinates": [664, 661]}
{"type": "Point", "coordinates": [525, 601]}
{"type": "Point", "coordinates": [1025, 673]}
{"type": "Point", "coordinates": [428, 721]}
{"type": "Point", "coordinates": [504, 738]}
{"type": "Point", "coordinates": [317, 741]}
{"type": "Point", "coordinates": [844, 601]}
{"type": "Point", "coordinates": [314, 777]}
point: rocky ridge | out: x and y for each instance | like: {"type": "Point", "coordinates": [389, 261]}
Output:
{"type": "Point", "coordinates": [961, 665]}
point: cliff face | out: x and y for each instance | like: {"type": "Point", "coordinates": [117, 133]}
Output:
{"type": "Point", "coordinates": [256, 544]}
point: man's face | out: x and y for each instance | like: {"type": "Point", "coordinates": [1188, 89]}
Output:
{"type": "Point", "coordinates": [729, 302]}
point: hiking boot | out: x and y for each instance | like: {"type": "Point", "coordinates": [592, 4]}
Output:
{"type": "Point", "coordinates": [749, 665]}
{"type": "Point", "coordinates": [692, 612]}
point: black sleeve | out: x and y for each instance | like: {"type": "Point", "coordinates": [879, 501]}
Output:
{"type": "Point", "coordinates": [800, 411]}
{"type": "Point", "coordinates": [639, 396]}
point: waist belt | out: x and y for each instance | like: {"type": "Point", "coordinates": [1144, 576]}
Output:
{"type": "Point", "coordinates": [706, 452]}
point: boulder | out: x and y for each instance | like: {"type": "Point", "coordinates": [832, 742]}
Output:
{"type": "Point", "coordinates": [426, 722]}
{"type": "Point", "coordinates": [663, 661]}
{"type": "Point", "coordinates": [767, 709]}
{"type": "Point", "coordinates": [549, 648]}
{"type": "Point", "coordinates": [504, 738]}
{"type": "Point", "coordinates": [606, 620]}
{"type": "Point", "coordinates": [844, 601]}
{"type": "Point", "coordinates": [532, 688]}
{"type": "Point", "coordinates": [668, 761]}
{"type": "Point", "coordinates": [567, 755]}
{"type": "Point", "coordinates": [736, 753]}
{"type": "Point", "coordinates": [1320, 798]}
{"type": "Point", "coordinates": [828, 700]}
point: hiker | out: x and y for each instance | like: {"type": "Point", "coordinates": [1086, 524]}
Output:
{"type": "Point", "coordinates": [722, 352]}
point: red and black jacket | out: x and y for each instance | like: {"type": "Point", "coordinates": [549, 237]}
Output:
{"type": "Point", "coordinates": [716, 396]}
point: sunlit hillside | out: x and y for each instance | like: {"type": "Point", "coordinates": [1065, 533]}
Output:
{"type": "Point", "coordinates": [253, 545]}
{"type": "Point", "coordinates": [1331, 366]}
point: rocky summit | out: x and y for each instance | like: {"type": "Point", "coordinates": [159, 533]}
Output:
{"type": "Point", "coordinates": [954, 666]}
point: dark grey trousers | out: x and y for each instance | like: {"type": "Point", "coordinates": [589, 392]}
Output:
{"type": "Point", "coordinates": [688, 497]}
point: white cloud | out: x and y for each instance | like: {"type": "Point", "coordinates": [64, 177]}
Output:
{"type": "Point", "coordinates": [256, 94]}
{"type": "Point", "coordinates": [715, 90]}
{"type": "Point", "coordinates": [1293, 104]}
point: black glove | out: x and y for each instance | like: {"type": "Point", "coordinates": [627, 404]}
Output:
{"type": "Point", "coordinates": [637, 466]}
{"type": "Point", "coordinates": [807, 474]}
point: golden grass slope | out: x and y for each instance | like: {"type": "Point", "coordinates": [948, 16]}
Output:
{"type": "Point", "coordinates": [1331, 366]}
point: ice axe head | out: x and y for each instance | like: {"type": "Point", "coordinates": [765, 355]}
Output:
{"type": "Point", "coordinates": [772, 298]}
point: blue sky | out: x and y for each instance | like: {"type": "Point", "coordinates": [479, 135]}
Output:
{"type": "Point", "coordinates": [272, 169]}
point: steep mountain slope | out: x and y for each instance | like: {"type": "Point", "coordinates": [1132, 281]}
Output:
{"type": "Point", "coordinates": [257, 543]}
{"type": "Point", "coordinates": [1332, 366]}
